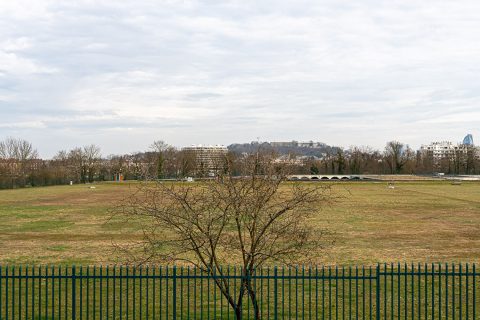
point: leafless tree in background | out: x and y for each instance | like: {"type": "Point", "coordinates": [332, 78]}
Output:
{"type": "Point", "coordinates": [17, 149]}
{"type": "Point", "coordinates": [84, 162]}
{"type": "Point", "coordinates": [17, 154]}
{"type": "Point", "coordinates": [159, 148]}
{"type": "Point", "coordinates": [397, 156]}
{"type": "Point", "coordinates": [251, 220]}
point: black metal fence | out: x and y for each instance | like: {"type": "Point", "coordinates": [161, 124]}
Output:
{"type": "Point", "coordinates": [381, 292]}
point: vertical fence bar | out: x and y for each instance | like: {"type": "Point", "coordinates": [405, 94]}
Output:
{"type": "Point", "coordinates": [370, 291]}
{"type": "Point", "coordinates": [26, 292]}
{"type": "Point", "coordinates": [101, 293]}
{"type": "Point", "coordinates": [446, 291]}
{"type": "Point", "coordinates": [107, 312]}
{"type": "Point", "coordinates": [405, 280]}
{"type": "Point", "coordinates": [425, 279]}
{"type": "Point", "coordinates": [13, 292]}
{"type": "Point", "coordinates": [377, 294]}
{"type": "Point", "coordinates": [6, 292]}
{"type": "Point", "coordinates": [275, 293]}
{"type": "Point", "coordinates": [268, 293]}
{"type": "Point", "coordinates": [121, 292]}
{"type": "Point", "coordinates": [147, 279]}
{"type": "Point", "coordinates": [310, 292]}
{"type": "Point", "coordinates": [391, 291]}
{"type": "Point", "coordinates": [385, 292]}
{"type": "Point", "coordinates": [174, 284]}
{"type": "Point", "coordinates": [88, 292]}
{"type": "Point", "coordinates": [419, 290]}
{"type": "Point", "coordinates": [412, 286]}
{"type": "Point", "coordinates": [160, 294]}
{"type": "Point", "coordinates": [74, 292]}
{"type": "Point", "coordinates": [350, 292]}
{"type": "Point", "coordinates": [134, 297]}
{"type": "Point", "coordinates": [336, 293]}
{"type": "Point", "coordinates": [453, 291]}
{"type": "Point", "coordinates": [323, 292]}
{"type": "Point", "coordinates": [154, 300]}
{"type": "Point", "coordinates": [1, 293]}
{"type": "Point", "coordinates": [181, 294]}
{"type": "Point", "coordinates": [433, 291]}
{"type": "Point", "coordinates": [303, 292]}
{"type": "Point", "coordinates": [329, 292]}
{"type": "Point", "coordinates": [127, 293]}
{"type": "Point", "coordinates": [66, 293]}
{"type": "Point", "coordinates": [19, 292]}
{"type": "Point", "coordinates": [51, 277]}
{"type": "Point", "coordinates": [474, 292]}
{"type": "Point", "coordinates": [466, 291]}
{"type": "Point", "coordinates": [114, 292]}
{"type": "Point", "coordinates": [188, 291]}
{"type": "Point", "coordinates": [363, 292]}
{"type": "Point", "coordinates": [94, 292]}
{"type": "Point", "coordinates": [81, 292]}
{"type": "Point", "coordinates": [195, 293]}
{"type": "Point", "coordinates": [460, 290]}
{"type": "Point", "coordinates": [140, 278]}
{"type": "Point", "coordinates": [283, 292]}
{"type": "Point", "coordinates": [399, 284]}
{"type": "Point", "coordinates": [46, 291]}
{"type": "Point", "coordinates": [439, 291]}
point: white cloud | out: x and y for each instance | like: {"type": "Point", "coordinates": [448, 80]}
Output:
{"type": "Point", "coordinates": [23, 125]}
{"type": "Point", "coordinates": [13, 64]}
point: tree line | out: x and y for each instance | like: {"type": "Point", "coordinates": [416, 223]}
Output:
{"type": "Point", "coordinates": [21, 166]}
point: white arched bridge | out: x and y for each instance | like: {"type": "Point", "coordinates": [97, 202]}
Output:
{"type": "Point", "coordinates": [325, 177]}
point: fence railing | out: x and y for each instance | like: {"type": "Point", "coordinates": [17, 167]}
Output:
{"type": "Point", "coordinates": [381, 292]}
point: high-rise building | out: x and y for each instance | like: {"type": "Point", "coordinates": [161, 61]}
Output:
{"type": "Point", "coordinates": [468, 140]}
{"type": "Point", "coordinates": [446, 150]}
{"type": "Point", "coordinates": [208, 159]}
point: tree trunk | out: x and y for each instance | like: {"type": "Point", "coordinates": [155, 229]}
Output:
{"type": "Point", "coordinates": [238, 313]}
{"type": "Point", "coordinates": [253, 298]}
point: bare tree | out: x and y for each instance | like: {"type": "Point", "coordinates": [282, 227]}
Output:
{"type": "Point", "coordinates": [18, 154]}
{"type": "Point", "coordinates": [85, 162]}
{"type": "Point", "coordinates": [249, 220]}
{"type": "Point", "coordinates": [17, 149]}
{"type": "Point", "coordinates": [397, 155]}
{"type": "Point", "coordinates": [159, 148]}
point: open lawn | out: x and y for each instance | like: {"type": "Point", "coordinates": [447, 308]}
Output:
{"type": "Point", "coordinates": [415, 222]}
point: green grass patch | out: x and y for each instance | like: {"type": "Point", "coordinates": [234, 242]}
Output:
{"type": "Point", "coordinates": [415, 222]}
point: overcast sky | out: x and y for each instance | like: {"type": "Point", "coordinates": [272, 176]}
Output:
{"type": "Point", "coordinates": [121, 74]}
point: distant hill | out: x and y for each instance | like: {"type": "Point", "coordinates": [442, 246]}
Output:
{"type": "Point", "coordinates": [316, 149]}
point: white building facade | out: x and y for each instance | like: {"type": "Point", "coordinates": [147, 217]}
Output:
{"type": "Point", "coordinates": [209, 159]}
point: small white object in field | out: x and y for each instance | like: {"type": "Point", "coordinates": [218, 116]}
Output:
{"type": "Point", "coordinates": [71, 183]}
{"type": "Point", "coordinates": [92, 187]}
{"type": "Point", "coordinates": [391, 187]}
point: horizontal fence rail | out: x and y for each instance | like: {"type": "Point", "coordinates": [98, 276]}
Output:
{"type": "Point", "coordinates": [382, 292]}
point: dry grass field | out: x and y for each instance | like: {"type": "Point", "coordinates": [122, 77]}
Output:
{"type": "Point", "coordinates": [415, 222]}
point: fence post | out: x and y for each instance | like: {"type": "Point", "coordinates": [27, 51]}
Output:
{"type": "Point", "coordinates": [275, 293]}
{"type": "Point", "coordinates": [174, 277]}
{"type": "Point", "coordinates": [74, 293]}
{"type": "Point", "coordinates": [378, 292]}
